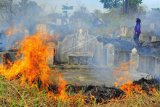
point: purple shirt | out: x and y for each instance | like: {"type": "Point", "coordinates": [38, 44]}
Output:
{"type": "Point", "coordinates": [138, 28]}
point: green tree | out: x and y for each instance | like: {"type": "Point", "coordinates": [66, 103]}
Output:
{"type": "Point", "coordinates": [133, 4]}
{"type": "Point", "coordinates": [111, 3]}
{"type": "Point", "coordinates": [126, 4]}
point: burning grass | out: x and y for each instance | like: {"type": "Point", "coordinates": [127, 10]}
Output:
{"type": "Point", "coordinates": [32, 65]}
{"type": "Point", "coordinates": [41, 86]}
{"type": "Point", "coordinates": [124, 82]}
{"type": "Point", "coordinates": [31, 71]}
{"type": "Point", "coordinates": [12, 94]}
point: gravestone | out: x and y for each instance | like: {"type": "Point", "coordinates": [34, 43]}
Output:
{"type": "Point", "coordinates": [79, 48]}
{"type": "Point", "coordinates": [157, 68]}
{"type": "Point", "coordinates": [155, 38]}
{"type": "Point", "coordinates": [99, 54]}
{"type": "Point", "coordinates": [122, 56]}
{"type": "Point", "coordinates": [51, 49]}
{"type": "Point", "coordinates": [146, 64]}
{"type": "Point", "coordinates": [134, 60]}
{"type": "Point", "coordinates": [123, 31]}
{"type": "Point", "coordinates": [145, 38]}
{"type": "Point", "coordinates": [110, 55]}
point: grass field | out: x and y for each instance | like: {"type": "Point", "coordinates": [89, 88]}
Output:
{"type": "Point", "coordinates": [12, 94]}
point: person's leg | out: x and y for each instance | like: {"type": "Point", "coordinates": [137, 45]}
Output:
{"type": "Point", "coordinates": [135, 39]}
{"type": "Point", "coordinates": [138, 39]}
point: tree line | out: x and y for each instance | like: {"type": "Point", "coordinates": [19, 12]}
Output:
{"type": "Point", "coordinates": [127, 5]}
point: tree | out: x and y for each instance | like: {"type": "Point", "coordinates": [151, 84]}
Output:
{"type": "Point", "coordinates": [126, 4]}
{"type": "Point", "coordinates": [133, 4]}
{"type": "Point", "coordinates": [111, 3]}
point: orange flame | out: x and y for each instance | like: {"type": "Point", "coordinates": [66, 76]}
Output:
{"type": "Point", "coordinates": [61, 88]}
{"type": "Point", "coordinates": [121, 73]}
{"type": "Point", "coordinates": [124, 80]}
{"type": "Point", "coordinates": [33, 65]}
{"type": "Point", "coordinates": [129, 88]}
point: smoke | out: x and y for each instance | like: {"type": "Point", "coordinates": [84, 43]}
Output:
{"type": "Point", "coordinates": [20, 19]}
{"type": "Point", "coordinates": [112, 32]}
{"type": "Point", "coordinates": [151, 22]}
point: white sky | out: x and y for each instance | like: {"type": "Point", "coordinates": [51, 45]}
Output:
{"type": "Point", "coordinates": [51, 5]}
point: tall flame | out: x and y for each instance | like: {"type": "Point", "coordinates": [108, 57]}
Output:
{"type": "Point", "coordinates": [33, 63]}
{"type": "Point", "coordinates": [61, 88]}
{"type": "Point", "coordinates": [121, 73]}
{"type": "Point", "coordinates": [124, 80]}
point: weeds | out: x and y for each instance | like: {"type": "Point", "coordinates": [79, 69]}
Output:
{"type": "Point", "coordinates": [14, 95]}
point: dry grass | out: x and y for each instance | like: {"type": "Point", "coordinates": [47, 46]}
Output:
{"type": "Point", "coordinates": [14, 95]}
{"type": "Point", "coordinates": [136, 101]}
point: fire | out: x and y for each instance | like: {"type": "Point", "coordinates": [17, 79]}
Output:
{"type": "Point", "coordinates": [129, 88]}
{"type": "Point", "coordinates": [123, 79]}
{"type": "Point", "coordinates": [121, 73]}
{"type": "Point", "coordinates": [125, 83]}
{"type": "Point", "coordinates": [31, 65]}
{"type": "Point", "coordinates": [61, 87]}
{"type": "Point", "coordinates": [153, 90]}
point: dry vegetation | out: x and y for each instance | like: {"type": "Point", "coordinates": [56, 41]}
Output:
{"type": "Point", "coordinates": [14, 95]}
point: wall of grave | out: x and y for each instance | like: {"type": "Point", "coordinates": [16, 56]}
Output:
{"type": "Point", "coordinates": [79, 48]}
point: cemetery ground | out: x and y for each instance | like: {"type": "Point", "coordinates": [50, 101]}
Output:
{"type": "Point", "coordinates": [31, 82]}
{"type": "Point", "coordinates": [13, 94]}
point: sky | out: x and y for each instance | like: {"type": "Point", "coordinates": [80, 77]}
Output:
{"type": "Point", "coordinates": [51, 5]}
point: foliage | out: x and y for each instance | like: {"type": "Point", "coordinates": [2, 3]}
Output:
{"type": "Point", "coordinates": [132, 4]}
{"type": "Point", "coordinates": [135, 2]}
{"type": "Point", "coordinates": [111, 3]}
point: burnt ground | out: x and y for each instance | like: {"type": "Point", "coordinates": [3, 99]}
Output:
{"type": "Point", "coordinates": [147, 84]}
{"type": "Point", "coordinates": [99, 83]}
{"type": "Point", "coordinates": [100, 93]}
{"type": "Point", "coordinates": [103, 93]}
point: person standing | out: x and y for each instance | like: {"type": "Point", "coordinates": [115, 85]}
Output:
{"type": "Point", "coordinates": [137, 31]}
